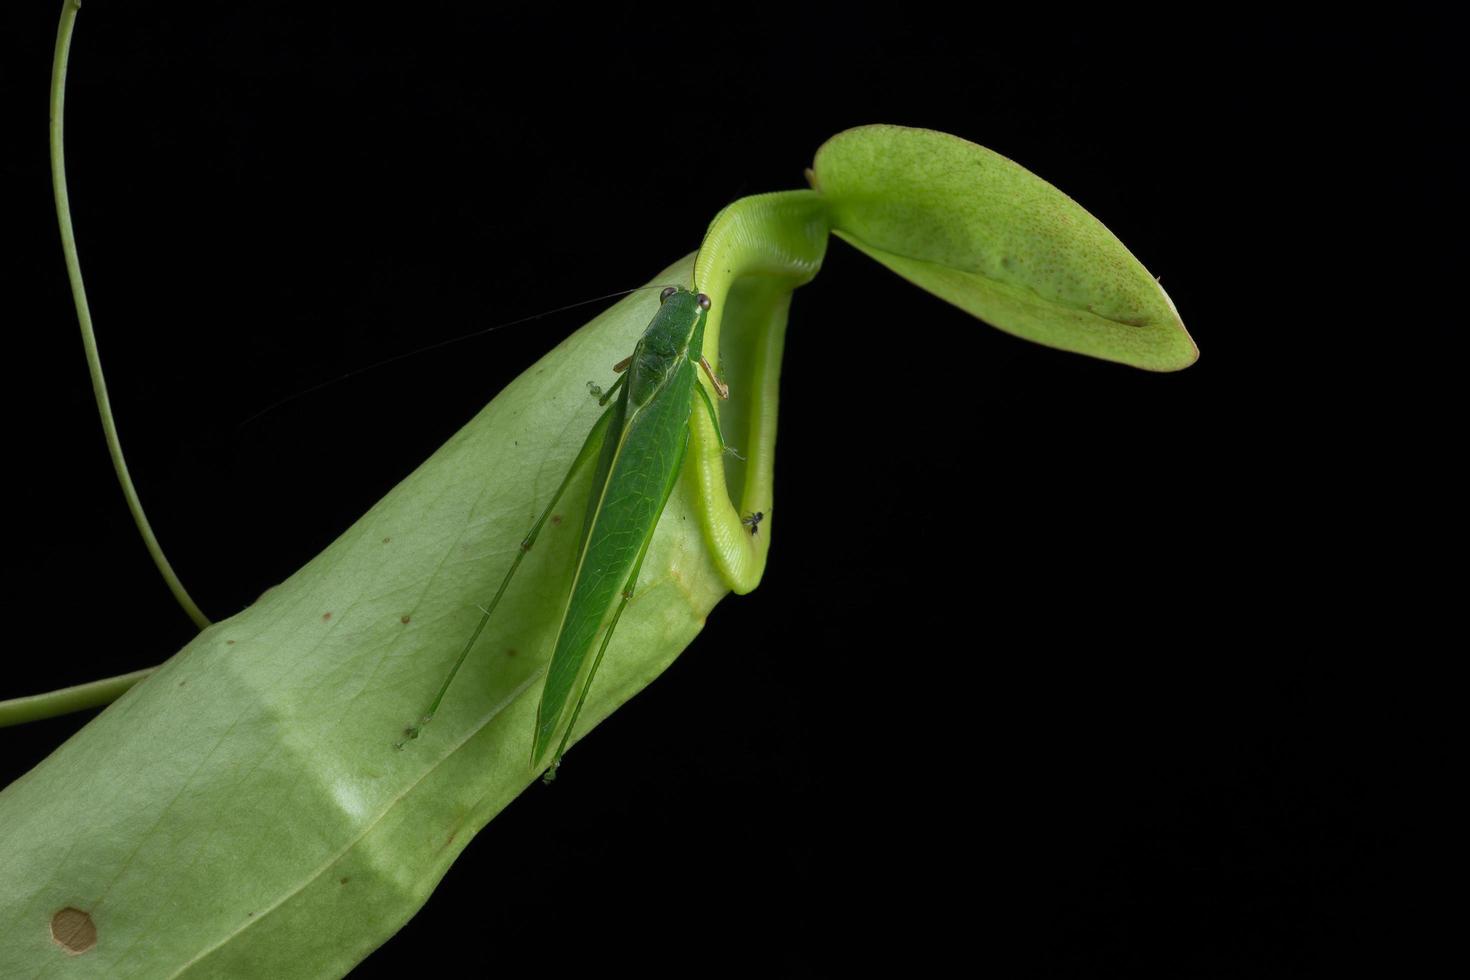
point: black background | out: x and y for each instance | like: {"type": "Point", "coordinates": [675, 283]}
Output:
{"type": "Point", "coordinates": [1058, 667]}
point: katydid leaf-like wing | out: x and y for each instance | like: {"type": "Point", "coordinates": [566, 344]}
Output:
{"type": "Point", "coordinates": [627, 509]}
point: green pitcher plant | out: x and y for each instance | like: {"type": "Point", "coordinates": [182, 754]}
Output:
{"type": "Point", "coordinates": [368, 696]}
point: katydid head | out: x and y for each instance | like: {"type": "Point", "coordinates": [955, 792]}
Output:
{"type": "Point", "coordinates": [699, 298]}
{"type": "Point", "coordinates": [678, 326]}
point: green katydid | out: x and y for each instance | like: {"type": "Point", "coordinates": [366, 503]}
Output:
{"type": "Point", "coordinates": [638, 445]}
{"type": "Point", "coordinates": [642, 443]}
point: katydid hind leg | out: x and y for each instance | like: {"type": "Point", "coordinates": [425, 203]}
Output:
{"type": "Point", "coordinates": [591, 448]}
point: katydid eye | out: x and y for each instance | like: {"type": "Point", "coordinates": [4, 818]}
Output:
{"type": "Point", "coordinates": [703, 301]}
{"type": "Point", "coordinates": [668, 291]}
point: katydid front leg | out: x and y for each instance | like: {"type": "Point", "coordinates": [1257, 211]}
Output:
{"type": "Point", "coordinates": [721, 389]}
